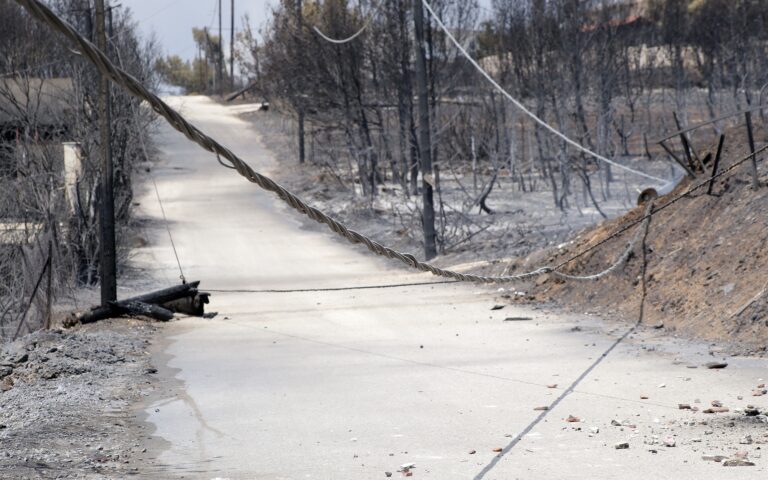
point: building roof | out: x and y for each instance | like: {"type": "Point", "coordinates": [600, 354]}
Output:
{"type": "Point", "coordinates": [35, 100]}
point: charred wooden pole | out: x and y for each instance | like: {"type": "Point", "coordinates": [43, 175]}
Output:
{"type": "Point", "coordinates": [300, 102]}
{"type": "Point", "coordinates": [751, 138]}
{"type": "Point", "coordinates": [108, 260]}
{"type": "Point", "coordinates": [716, 164]}
{"type": "Point", "coordinates": [220, 59]}
{"type": "Point", "coordinates": [425, 140]}
{"type": "Point", "coordinates": [232, 48]}
{"type": "Point", "coordinates": [128, 305]}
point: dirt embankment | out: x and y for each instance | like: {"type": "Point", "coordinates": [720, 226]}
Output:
{"type": "Point", "coordinates": [65, 401]}
{"type": "Point", "coordinates": [707, 263]}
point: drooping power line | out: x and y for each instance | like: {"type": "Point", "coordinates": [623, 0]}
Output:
{"type": "Point", "coordinates": [522, 107]}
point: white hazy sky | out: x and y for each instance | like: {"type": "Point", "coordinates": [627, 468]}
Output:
{"type": "Point", "coordinates": [172, 20]}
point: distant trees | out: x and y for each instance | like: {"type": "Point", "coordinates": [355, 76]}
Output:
{"type": "Point", "coordinates": [607, 73]}
{"type": "Point", "coordinates": [198, 75]}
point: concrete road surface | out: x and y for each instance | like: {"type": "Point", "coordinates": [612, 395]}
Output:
{"type": "Point", "coordinates": [355, 384]}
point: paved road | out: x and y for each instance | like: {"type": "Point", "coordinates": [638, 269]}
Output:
{"type": "Point", "coordinates": [353, 384]}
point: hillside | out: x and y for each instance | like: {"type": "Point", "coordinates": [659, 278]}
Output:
{"type": "Point", "coordinates": [707, 262]}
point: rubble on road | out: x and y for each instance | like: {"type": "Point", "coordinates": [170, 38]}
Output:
{"type": "Point", "coordinates": [64, 398]}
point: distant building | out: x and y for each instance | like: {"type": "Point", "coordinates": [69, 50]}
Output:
{"type": "Point", "coordinates": [33, 112]}
{"type": "Point", "coordinates": [35, 123]}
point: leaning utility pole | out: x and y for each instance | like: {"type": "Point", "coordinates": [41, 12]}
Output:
{"type": "Point", "coordinates": [300, 102]}
{"type": "Point", "coordinates": [232, 49]}
{"type": "Point", "coordinates": [108, 265]}
{"type": "Point", "coordinates": [425, 141]}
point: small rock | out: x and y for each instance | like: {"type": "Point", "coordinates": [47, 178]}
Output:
{"type": "Point", "coordinates": [621, 446]}
{"type": "Point", "coordinates": [572, 419]}
{"type": "Point", "coordinates": [736, 462]}
{"type": "Point", "coordinates": [713, 458]}
{"type": "Point", "coordinates": [643, 397]}
{"type": "Point", "coordinates": [472, 452]}
{"type": "Point", "coordinates": [751, 411]}
{"type": "Point", "coordinates": [614, 423]}
{"type": "Point", "coordinates": [747, 440]}
{"type": "Point", "coordinates": [541, 409]}
{"type": "Point", "coordinates": [758, 393]}
{"type": "Point", "coordinates": [594, 430]}
{"type": "Point", "coordinates": [717, 403]}
{"type": "Point", "coordinates": [553, 385]}
{"type": "Point", "coordinates": [669, 442]}
{"type": "Point", "coordinates": [715, 365]}
{"type": "Point", "coordinates": [716, 410]}
{"type": "Point", "coordinates": [683, 406]}
{"type": "Point", "coordinates": [662, 385]}
{"type": "Point", "coordinates": [498, 450]}
{"type": "Point", "coordinates": [497, 307]}
{"type": "Point", "coordinates": [387, 474]}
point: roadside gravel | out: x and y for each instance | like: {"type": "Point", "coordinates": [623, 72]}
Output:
{"type": "Point", "coordinates": [67, 400]}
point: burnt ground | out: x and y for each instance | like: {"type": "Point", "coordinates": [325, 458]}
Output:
{"type": "Point", "coordinates": [66, 401]}
{"type": "Point", "coordinates": [707, 264]}
{"type": "Point", "coordinates": [707, 260]}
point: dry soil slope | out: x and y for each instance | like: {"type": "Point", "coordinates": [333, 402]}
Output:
{"type": "Point", "coordinates": [707, 263]}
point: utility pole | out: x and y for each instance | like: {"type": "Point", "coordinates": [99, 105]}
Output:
{"type": "Point", "coordinates": [108, 266]}
{"type": "Point", "coordinates": [232, 49]}
{"type": "Point", "coordinates": [299, 30]}
{"type": "Point", "coordinates": [220, 56]}
{"type": "Point", "coordinates": [425, 140]}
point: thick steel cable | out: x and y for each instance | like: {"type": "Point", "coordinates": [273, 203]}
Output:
{"type": "Point", "coordinates": [133, 86]}
{"type": "Point", "coordinates": [522, 107]}
{"type": "Point", "coordinates": [40, 11]}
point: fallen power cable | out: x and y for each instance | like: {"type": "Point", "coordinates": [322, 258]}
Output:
{"type": "Point", "coordinates": [40, 11]}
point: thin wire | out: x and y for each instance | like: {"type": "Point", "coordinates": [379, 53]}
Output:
{"type": "Point", "coordinates": [572, 387]}
{"type": "Point", "coordinates": [168, 228]}
{"type": "Point", "coordinates": [657, 210]}
{"type": "Point", "coordinates": [39, 10]}
{"type": "Point", "coordinates": [332, 289]}
{"type": "Point", "coordinates": [519, 105]}
{"type": "Point", "coordinates": [341, 41]}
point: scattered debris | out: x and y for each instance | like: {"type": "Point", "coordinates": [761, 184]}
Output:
{"type": "Point", "coordinates": [715, 365]}
{"type": "Point", "coordinates": [716, 410]}
{"type": "Point", "coordinates": [713, 458]}
{"type": "Point", "coordinates": [737, 462]}
{"type": "Point", "coordinates": [751, 411]}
